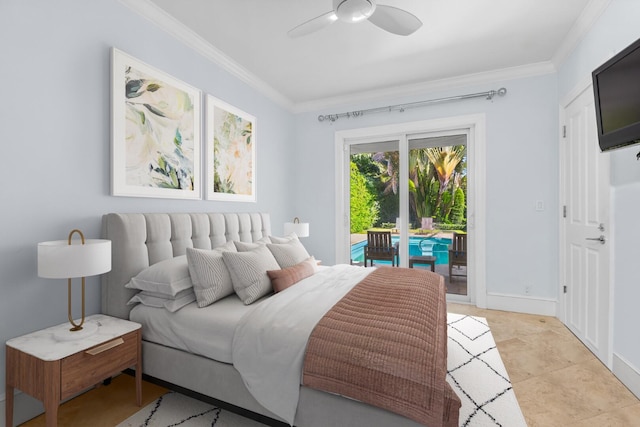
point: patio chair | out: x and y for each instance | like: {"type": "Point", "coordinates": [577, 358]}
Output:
{"type": "Point", "coordinates": [458, 252]}
{"type": "Point", "coordinates": [380, 248]}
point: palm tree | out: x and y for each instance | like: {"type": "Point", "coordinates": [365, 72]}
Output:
{"type": "Point", "coordinates": [422, 182]}
{"type": "Point", "coordinates": [445, 160]}
{"type": "Point", "coordinates": [392, 160]}
{"type": "Point", "coordinates": [421, 177]}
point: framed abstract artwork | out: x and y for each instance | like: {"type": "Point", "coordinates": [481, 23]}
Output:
{"type": "Point", "coordinates": [156, 142]}
{"type": "Point", "coordinates": [231, 153]}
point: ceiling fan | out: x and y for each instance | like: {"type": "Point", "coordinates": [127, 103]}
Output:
{"type": "Point", "coordinates": [389, 18]}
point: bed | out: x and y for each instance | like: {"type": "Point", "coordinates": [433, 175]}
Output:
{"type": "Point", "coordinates": [227, 368]}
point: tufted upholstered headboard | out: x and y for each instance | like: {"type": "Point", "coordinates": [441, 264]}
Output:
{"type": "Point", "coordinates": [140, 240]}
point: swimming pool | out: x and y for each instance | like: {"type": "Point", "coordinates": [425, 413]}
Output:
{"type": "Point", "coordinates": [434, 246]}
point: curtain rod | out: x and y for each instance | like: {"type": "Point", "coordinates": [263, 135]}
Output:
{"type": "Point", "coordinates": [489, 95]}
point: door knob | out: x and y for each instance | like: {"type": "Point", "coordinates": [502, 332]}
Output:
{"type": "Point", "coordinates": [600, 239]}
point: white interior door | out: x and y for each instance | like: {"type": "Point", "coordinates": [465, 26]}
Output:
{"type": "Point", "coordinates": [585, 242]}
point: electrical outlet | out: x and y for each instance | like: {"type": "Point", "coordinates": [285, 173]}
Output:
{"type": "Point", "coordinates": [527, 289]}
{"type": "Point", "coordinates": [539, 205]}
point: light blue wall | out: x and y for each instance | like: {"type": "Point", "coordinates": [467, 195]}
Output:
{"type": "Point", "coordinates": [55, 121]}
{"type": "Point", "coordinates": [522, 167]}
{"type": "Point", "coordinates": [54, 112]}
{"type": "Point", "coordinates": [615, 30]}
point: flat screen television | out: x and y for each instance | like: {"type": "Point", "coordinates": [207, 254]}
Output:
{"type": "Point", "coordinates": [616, 85]}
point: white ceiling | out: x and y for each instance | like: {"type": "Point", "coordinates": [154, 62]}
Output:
{"type": "Point", "coordinates": [460, 42]}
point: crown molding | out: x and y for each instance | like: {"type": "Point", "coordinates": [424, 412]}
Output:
{"type": "Point", "coordinates": [177, 29]}
{"type": "Point", "coordinates": [523, 71]}
{"type": "Point", "coordinates": [168, 23]}
{"type": "Point", "coordinates": [580, 28]}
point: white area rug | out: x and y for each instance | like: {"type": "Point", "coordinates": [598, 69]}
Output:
{"type": "Point", "coordinates": [175, 409]}
{"type": "Point", "coordinates": [478, 376]}
{"type": "Point", "coordinates": [475, 371]}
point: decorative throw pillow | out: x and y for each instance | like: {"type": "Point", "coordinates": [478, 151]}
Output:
{"type": "Point", "coordinates": [288, 254]}
{"type": "Point", "coordinates": [248, 246]}
{"type": "Point", "coordinates": [172, 304]}
{"type": "Point", "coordinates": [229, 246]}
{"type": "Point", "coordinates": [209, 274]}
{"type": "Point", "coordinates": [167, 277]}
{"type": "Point", "coordinates": [285, 239]}
{"type": "Point", "coordinates": [249, 272]}
{"type": "Point", "coordinates": [282, 279]}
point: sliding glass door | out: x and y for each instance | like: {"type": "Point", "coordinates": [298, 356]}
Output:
{"type": "Point", "coordinates": [438, 206]}
{"type": "Point", "coordinates": [413, 186]}
{"type": "Point", "coordinates": [374, 198]}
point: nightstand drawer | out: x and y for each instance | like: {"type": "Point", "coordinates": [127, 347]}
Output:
{"type": "Point", "coordinates": [89, 367]}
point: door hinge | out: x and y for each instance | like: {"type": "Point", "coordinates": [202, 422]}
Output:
{"type": "Point", "coordinates": [564, 289]}
{"type": "Point", "coordinates": [564, 211]}
{"type": "Point", "coordinates": [564, 131]}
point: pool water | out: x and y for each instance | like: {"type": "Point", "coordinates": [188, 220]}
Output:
{"type": "Point", "coordinates": [431, 246]}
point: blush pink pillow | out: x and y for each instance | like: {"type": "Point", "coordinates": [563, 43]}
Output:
{"type": "Point", "coordinates": [286, 277]}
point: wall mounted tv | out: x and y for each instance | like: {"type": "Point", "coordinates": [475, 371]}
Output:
{"type": "Point", "coordinates": [616, 85]}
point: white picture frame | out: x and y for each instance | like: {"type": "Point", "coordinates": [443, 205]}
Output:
{"type": "Point", "coordinates": [156, 132]}
{"type": "Point", "coordinates": [231, 152]}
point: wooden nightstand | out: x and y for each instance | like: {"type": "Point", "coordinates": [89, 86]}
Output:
{"type": "Point", "coordinates": [52, 370]}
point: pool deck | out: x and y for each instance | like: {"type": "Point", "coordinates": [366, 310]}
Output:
{"type": "Point", "coordinates": [357, 238]}
{"type": "Point", "coordinates": [455, 285]}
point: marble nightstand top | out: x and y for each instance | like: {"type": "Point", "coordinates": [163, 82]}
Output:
{"type": "Point", "coordinates": [58, 342]}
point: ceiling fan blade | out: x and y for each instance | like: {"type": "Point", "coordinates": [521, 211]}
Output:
{"type": "Point", "coordinates": [313, 25]}
{"type": "Point", "coordinates": [394, 20]}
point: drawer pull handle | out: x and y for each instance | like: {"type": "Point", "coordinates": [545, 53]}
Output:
{"type": "Point", "coordinates": [104, 347]}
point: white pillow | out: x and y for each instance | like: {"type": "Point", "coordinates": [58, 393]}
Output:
{"type": "Point", "coordinates": [285, 239]}
{"type": "Point", "coordinates": [173, 304]}
{"type": "Point", "coordinates": [247, 246]}
{"type": "Point", "coordinates": [229, 246]}
{"type": "Point", "coordinates": [249, 272]}
{"type": "Point", "coordinates": [209, 274]}
{"type": "Point", "coordinates": [288, 254]}
{"type": "Point", "coordinates": [167, 277]}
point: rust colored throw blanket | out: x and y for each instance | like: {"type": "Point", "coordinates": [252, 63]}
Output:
{"type": "Point", "coordinates": [385, 344]}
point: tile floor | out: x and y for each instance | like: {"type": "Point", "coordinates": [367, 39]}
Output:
{"type": "Point", "coordinates": [557, 380]}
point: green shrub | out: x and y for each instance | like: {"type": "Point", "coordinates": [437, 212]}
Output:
{"type": "Point", "coordinates": [447, 226]}
{"type": "Point", "coordinates": [364, 207]}
{"type": "Point", "coordinates": [446, 204]}
{"type": "Point", "coordinates": [458, 208]}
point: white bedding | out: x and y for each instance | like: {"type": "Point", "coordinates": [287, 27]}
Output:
{"type": "Point", "coordinates": [206, 331]}
{"type": "Point", "coordinates": [270, 341]}
{"type": "Point", "coordinates": [265, 341]}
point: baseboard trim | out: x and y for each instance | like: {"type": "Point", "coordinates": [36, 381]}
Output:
{"type": "Point", "coordinates": [522, 304]}
{"type": "Point", "coordinates": [627, 373]}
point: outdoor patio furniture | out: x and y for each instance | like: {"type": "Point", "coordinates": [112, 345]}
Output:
{"type": "Point", "coordinates": [457, 252]}
{"type": "Point", "coordinates": [380, 248]}
{"type": "Point", "coordinates": [423, 259]}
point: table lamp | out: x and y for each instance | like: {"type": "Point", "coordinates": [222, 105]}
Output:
{"type": "Point", "coordinates": [64, 259]}
{"type": "Point", "coordinates": [301, 229]}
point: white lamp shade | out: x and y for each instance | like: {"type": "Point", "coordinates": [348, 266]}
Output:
{"type": "Point", "coordinates": [301, 229]}
{"type": "Point", "coordinates": [60, 260]}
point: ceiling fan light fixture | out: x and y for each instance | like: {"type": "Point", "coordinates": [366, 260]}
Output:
{"type": "Point", "coordinates": [354, 10]}
{"type": "Point", "coordinates": [391, 19]}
